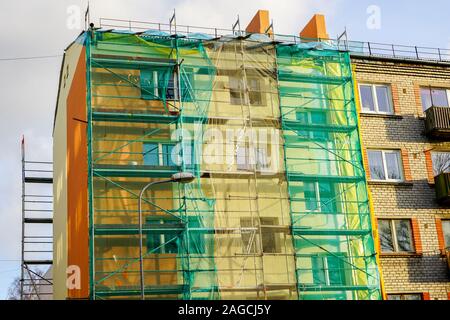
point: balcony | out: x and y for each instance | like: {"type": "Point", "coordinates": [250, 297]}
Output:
{"type": "Point", "coordinates": [437, 122]}
{"type": "Point", "coordinates": [442, 186]}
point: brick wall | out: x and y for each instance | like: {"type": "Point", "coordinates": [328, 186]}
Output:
{"type": "Point", "coordinates": [425, 272]}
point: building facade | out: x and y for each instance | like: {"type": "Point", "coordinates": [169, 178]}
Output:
{"type": "Point", "coordinates": [404, 126]}
{"type": "Point", "coordinates": [270, 128]}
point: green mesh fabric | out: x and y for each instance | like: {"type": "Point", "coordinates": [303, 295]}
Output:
{"type": "Point", "coordinates": [298, 231]}
{"type": "Point", "coordinates": [333, 243]}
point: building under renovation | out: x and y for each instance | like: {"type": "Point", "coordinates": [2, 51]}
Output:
{"type": "Point", "coordinates": [267, 125]}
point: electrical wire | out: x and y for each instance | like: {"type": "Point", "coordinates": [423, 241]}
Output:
{"type": "Point", "coordinates": [31, 58]}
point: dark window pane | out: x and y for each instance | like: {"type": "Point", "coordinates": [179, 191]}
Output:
{"type": "Point", "coordinates": [149, 84]}
{"type": "Point", "coordinates": [367, 100]}
{"type": "Point", "coordinates": [151, 154]}
{"type": "Point", "coordinates": [376, 165]}
{"type": "Point", "coordinates": [384, 99]}
{"type": "Point", "coordinates": [319, 117]}
{"type": "Point", "coordinates": [168, 160]}
{"type": "Point", "coordinates": [404, 235]}
{"type": "Point", "coordinates": [254, 92]}
{"type": "Point", "coordinates": [302, 117]}
{"type": "Point", "coordinates": [269, 241]}
{"type": "Point", "coordinates": [318, 270]}
{"type": "Point", "coordinates": [311, 201]}
{"type": "Point", "coordinates": [385, 232]}
{"type": "Point", "coordinates": [441, 162]}
{"type": "Point", "coordinates": [196, 236]}
{"type": "Point", "coordinates": [393, 165]}
{"type": "Point", "coordinates": [327, 197]}
{"type": "Point", "coordinates": [160, 241]}
{"type": "Point", "coordinates": [336, 271]}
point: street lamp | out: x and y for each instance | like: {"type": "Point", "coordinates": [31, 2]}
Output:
{"type": "Point", "coordinates": [180, 177]}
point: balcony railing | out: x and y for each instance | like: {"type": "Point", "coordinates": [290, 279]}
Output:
{"type": "Point", "coordinates": [437, 122]}
{"type": "Point", "coordinates": [442, 186]}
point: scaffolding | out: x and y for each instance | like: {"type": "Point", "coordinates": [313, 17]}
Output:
{"type": "Point", "coordinates": [37, 239]}
{"type": "Point", "coordinates": [280, 211]}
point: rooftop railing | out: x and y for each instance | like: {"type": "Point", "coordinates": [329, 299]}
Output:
{"type": "Point", "coordinates": [356, 48]}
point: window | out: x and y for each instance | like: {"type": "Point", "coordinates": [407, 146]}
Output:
{"type": "Point", "coordinates": [385, 165]}
{"type": "Point", "coordinates": [320, 197]}
{"type": "Point", "coordinates": [250, 235]}
{"type": "Point", "coordinates": [153, 82]}
{"type": "Point", "coordinates": [446, 231]}
{"type": "Point", "coordinates": [441, 162]}
{"type": "Point", "coordinates": [238, 95]}
{"type": "Point", "coordinates": [254, 92]}
{"type": "Point", "coordinates": [330, 270]}
{"type": "Point", "coordinates": [166, 239]}
{"type": "Point", "coordinates": [407, 296]}
{"type": "Point", "coordinates": [313, 117]}
{"type": "Point", "coordinates": [158, 154]}
{"type": "Point", "coordinates": [245, 160]}
{"type": "Point", "coordinates": [434, 97]}
{"type": "Point", "coordinates": [160, 241]}
{"type": "Point", "coordinates": [376, 98]}
{"type": "Point", "coordinates": [395, 236]}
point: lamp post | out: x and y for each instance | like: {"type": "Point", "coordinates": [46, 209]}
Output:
{"type": "Point", "coordinates": [180, 177]}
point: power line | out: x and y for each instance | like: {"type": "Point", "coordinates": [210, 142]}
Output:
{"type": "Point", "coordinates": [31, 58]}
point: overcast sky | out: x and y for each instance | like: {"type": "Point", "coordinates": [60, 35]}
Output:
{"type": "Point", "coordinates": [28, 88]}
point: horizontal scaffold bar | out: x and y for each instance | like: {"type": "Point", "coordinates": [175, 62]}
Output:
{"type": "Point", "coordinates": [133, 291]}
{"type": "Point", "coordinates": [301, 126]}
{"type": "Point", "coordinates": [38, 180]}
{"type": "Point", "coordinates": [134, 229]}
{"type": "Point", "coordinates": [307, 287]}
{"type": "Point", "coordinates": [325, 232]}
{"type": "Point", "coordinates": [37, 262]}
{"type": "Point", "coordinates": [292, 176]}
{"type": "Point", "coordinates": [38, 220]}
{"type": "Point", "coordinates": [305, 78]}
{"type": "Point", "coordinates": [146, 117]}
{"type": "Point", "coordinates": [133, 117]}
{"type": "Point", "coordinates": [133, 171]}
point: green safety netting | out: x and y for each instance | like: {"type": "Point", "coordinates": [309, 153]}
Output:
{"type": "Point", "coordinates": [297, 229]}
{"type": "Point", "coordinates": [329, 202]}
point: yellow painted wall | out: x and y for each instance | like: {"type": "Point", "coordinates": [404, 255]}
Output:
{"type": "Point", "coordinates": [71, 58]}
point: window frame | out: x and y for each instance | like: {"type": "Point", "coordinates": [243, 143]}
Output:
{"type": "Point", "coordinates": [385, 168]}
{"type": "Point", "coordinates": [375, 99]}
{"type": "Point", "coordinates": [394, 237]}
{"type": "Point", "coordinates": [327, 274]}
{"type": "Point", "coordinates": [254, 226]}
{"type": "Point", "coordinates": [161, 156]}
{"type": "Point", "coordinates": [403, 295]}
{"type": "Point", "coordinates": [244, 95]}
{"type": "Point", "coordinates": [157, 93]}
{"type": "Point", "coordinates": [445, 221]}
{"type": "Point", "coordinates": [447, 90]}
{"type": "Point", "coordinates": [435, 152]}
{"type": "Point", "coordinates": [244, 153]}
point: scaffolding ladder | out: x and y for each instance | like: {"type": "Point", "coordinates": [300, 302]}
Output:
{"type": "Point", "coordinates": [37, 235]}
